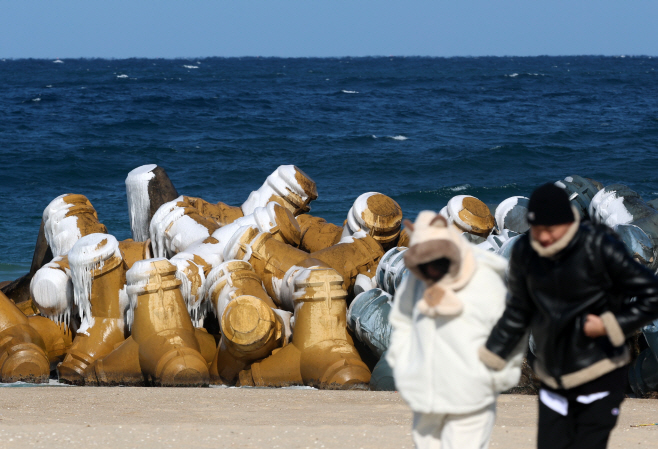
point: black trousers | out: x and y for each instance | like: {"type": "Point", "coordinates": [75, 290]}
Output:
{"type": "Point", "coordinates": [586, 426]}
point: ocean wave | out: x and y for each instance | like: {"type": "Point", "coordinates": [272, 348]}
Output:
{"type": "Point", "coordinates": [398, 137]}
{"type": "Point", "coordinates": [514, 75]}
{"type": "Point", "coordinates": [191, 66]}
{"type": "Point", "coordinates": [36, 99]}
{"type": "Point", "coordinates": [349, 91]}
{"type": "Point", "coordinates": [122, 76]}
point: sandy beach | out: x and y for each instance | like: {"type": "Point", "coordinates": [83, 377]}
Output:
{"type": "Point", "coordinates": [145, 418]}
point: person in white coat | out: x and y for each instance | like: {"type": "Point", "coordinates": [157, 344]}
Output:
{"type": "Point", "coordinates": [442, 314]}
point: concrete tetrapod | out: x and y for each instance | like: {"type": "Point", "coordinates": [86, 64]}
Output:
{"type": "Point", "coordinates": [470, 215]}
{"type": "Point", "coordinates": [353, 255]}
{"type": "Point", "coordinates": [581, 191]}
{"type": "Point", "coordinates": [122, 367]}
{"type": "Point", "coordinates": [511, 213]}
{"type": "Point", "coordinates": [322, 353]}
{"type": "Point", "coordinates": [22, 350]}
{"type": "Point", "coordinates": [634, 220]}
{"type": "Point", "coordinates": [222, 213]}
{"type": "Point", "coordinates": [367, 317]}
{"type": "Point", "coordinates": [377, 215]}
{"type": "Point", "coordinates": [373, 213]}
{"type": "Point", "coordinates": [169, 353]}
{"type": "Point", "coordinates": [98, 274]}
{"type": "Point", "coordinates": [317, 234]}
{"type": "Point", "coordinates": [67, 218]}
{"type": "Point", "coordinates": [57, 338]}
{"type": "Point", "coordinates": [147, 188]}
{"type": "Point", "coordinates": [391, 270]}
{"type": "Point", "coordinates": [288, 186]}
{"type": "Point", "coordinates": [251, 327]}
{"type": "Point", "coordinates": [177, 225]}
{"type": "Point", "coordinates": [196, 262]}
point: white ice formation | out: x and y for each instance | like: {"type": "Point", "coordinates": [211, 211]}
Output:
{"type": "Point", "coordinates": [61, 231]}
{"type": "Point", "coordinates": [139, 203]}
{"type": "Point", "coordinates": [452, 209]}
{"type": "Point", "coordinates": [282, 182]}
{"type": "Point", "coordinates": [355, 222]}
{"type": "Point", "coordinates": [608, 208]}
{"type": "Point", "coordinates": [52, 290]}
{"type": "Point", "coordinates": [511, 214]}
{"type": "Point", "coordinates": [89, 254]}
{"type": "Point", "coordinates": [172, 230]}
{"type": "Point", "coordinates": [136, 278]}
{"type": "Point", "coordinates": [193, 284]}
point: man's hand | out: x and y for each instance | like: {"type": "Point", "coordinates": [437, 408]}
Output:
{"type": "Point", "coordinates": [594, 327]}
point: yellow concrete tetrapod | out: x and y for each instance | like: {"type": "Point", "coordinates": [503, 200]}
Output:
{"type": "Point", "coordinates": [359, 254]}
{"type": "Point", "coordinates": [288, 186]}
{"type": "Point", "coordinates": [98, 274]}
{"type": "Point", "coordinates": [222, 213]}
{"type": "Point", "coordinates": [471, 215]}
{"type": "Point", "coordinates": [22, 350]}
{"type": "Point", "coordinates": [132, 251]}
{"type": "Point", "coordinates": [270, 258]}
{"type": "Point", "coordinates": [317, 234]}
{"type": "Point", "coordinates": [377, 215]}
{"type": "Point", "coordinates": [68, 218]}
{"type": "Point", "coordinates": [168, 349]}
{"type": "Point", "coordinates": [251, 329]}
{"type": "Point", "coordinates": [57, 338]}
{"type": "Point", "coordinates": [121, 366]}
{"type": "Point", "coordinates": [322, 353]}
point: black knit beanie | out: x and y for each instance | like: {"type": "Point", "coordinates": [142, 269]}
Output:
{"type": "Point", "coordinates": [549, 205]}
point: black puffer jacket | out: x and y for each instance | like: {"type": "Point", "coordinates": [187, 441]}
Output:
{"type": "Point", "coordinates": [593, 274]}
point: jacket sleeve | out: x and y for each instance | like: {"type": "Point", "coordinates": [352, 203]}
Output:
{"type": "Point", "coordinates": [401, 318]}
{"type": "Point", "coordinates": [628, 278]}
{"type": "Point", "coordinates": [511, 328]}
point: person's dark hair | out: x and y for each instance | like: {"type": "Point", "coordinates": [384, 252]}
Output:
{"type": "Point", "coordinates": [435, 269]}
{"type": "Point", "coordinates": [549, 205]}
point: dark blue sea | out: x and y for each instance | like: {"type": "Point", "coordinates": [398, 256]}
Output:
{"type": "Point", "coordinates": [420, 130]}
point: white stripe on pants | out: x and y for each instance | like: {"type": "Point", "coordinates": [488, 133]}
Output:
{"type": "Point", "coordinates": [461, 431]}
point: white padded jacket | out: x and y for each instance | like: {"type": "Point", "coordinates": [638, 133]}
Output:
{"type": "Point", "coordinates": [435, 359]}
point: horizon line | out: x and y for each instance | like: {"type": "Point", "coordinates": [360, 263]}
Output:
{"type": "Point", "coordinates": [600, 55]}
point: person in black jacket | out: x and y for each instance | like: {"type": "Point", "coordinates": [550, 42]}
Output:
{"type": "Point", "coordinates": [571, 284]}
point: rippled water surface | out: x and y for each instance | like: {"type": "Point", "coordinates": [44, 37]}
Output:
{"type": "Point", "coordinates": [418, 129]}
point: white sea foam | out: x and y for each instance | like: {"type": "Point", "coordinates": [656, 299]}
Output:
{"type": "Point", "coordinates": [36, 99]}
{"type": "Point", "coordinates": [349, 91]}
{"type": "Point", "coordinates": [399, 137]}
{"type": "Point", "coordinates": [58, 61]}
{"type": "Point", "coordinates": [122, 76]}
{"type": "Point", "coordinates": [513, 75]}
{"type": "Point", "coordinates": [459, 188]}
{"type": "Point", "coordinates": [191, 66]}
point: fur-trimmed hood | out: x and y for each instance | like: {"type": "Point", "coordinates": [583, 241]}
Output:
{"type": "Point", "coordinates": [432, 238]}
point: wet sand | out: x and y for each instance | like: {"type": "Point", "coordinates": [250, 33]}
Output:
{"type": "Point", "coordinates": [66, 417]}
